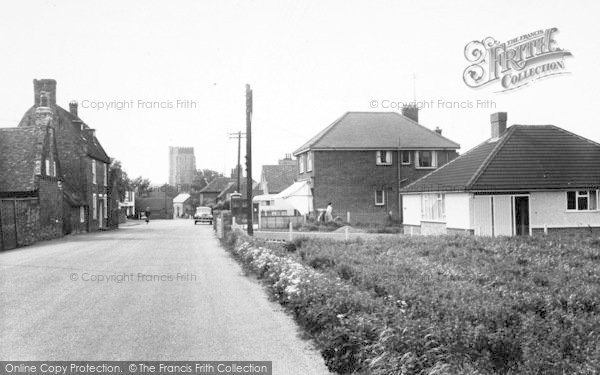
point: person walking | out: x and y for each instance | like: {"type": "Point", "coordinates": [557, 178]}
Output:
{"type": "Point", "coordinates": [147, 212]}
{"type": "Point", "coordinates": [329, 213]}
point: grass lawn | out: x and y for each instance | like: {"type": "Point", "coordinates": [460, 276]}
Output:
{"type": "Point", "coordinates": [450, 304]}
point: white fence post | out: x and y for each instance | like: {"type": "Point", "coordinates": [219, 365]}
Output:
{"type": "Point", "coordinates": [290, 232]}
{"type": "Point", "coordinates": [346, 233]}
{"type": "Point", "coordinates": [348, 217]}
{"type": "Point", "coordinates": [233, 224]}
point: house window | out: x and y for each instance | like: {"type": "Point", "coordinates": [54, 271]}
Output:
{"type": "Point", "coordinates": [426, 159]}
{"type": "Point", "coordinates": [433, 207]}
{"type": "Point", "coordinates": [105, 174]}
{"type": "Point", "coordinates": [383, 158]}
{"type": "Point", "coordinates": [379, 197]}
{"type": "Point", "coordinates": [48, 172]}
{"type": "Point", "coordinates": [405, 157]}
{"type": "Point", "coordinates": [583, 200]}
{"type": "Point", "coordinates": [93, 171]}
{"type": "Point", "coordinates": [54, 172]}
{"type": "Point", "coordinates": [94, 207]}
{"type": "Point", "coordinates": [105, 201]}
{"type": "Point", "coordinates": [81, 214]}
{"type": "Point", "coordinates": [309, 162]}
{"type": "Point", "coordinates": [301, 163]}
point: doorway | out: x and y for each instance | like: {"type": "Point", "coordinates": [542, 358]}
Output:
{"type": "Point", "coordinates": [521, 215]}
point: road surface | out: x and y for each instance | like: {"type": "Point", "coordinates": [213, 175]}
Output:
{"type": "Point", "coordinates": [162, 291]}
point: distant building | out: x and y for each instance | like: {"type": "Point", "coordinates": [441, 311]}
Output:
{"type": "Point", "coordinates": [182, 205]}
{"type": "Point", "coordinates": [182, 166]}
{"type": "Point", "coordinates": [276, 178]}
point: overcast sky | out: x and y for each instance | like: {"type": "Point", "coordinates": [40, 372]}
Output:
{"type": "Point", "coordinates": [308, 63]}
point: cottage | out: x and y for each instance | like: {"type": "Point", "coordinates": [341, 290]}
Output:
{"type": "Point", "coordinates": [182, 205]}
{"type": "Point", "coordinates": [84, 163]}
{"type": "Point", "coordinates": [31, 189]}
{"type": "Point", "coordinates": [360, 162]}
{"type": "Point", "coordinates": [276, 178]}
{"type": "Point", "coordinates": [523, 180]}
{"type": "Point", "coordinates": [209, 194]}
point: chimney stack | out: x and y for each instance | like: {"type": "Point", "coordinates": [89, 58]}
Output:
{"type": "Point", "coordinates": [438, 130]}
{"type": "Point", "coordinates": [411, 111]}
{"type": "Point", "coordinates": [44, 85]}
{"type": "Point", "coordinates": [498, 121]}
{"type": "Point", "coordinates": [73, 107]}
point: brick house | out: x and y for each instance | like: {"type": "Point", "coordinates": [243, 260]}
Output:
{"type": "Point", "coordinates": [360, 162]}
{"type": "Point", "coordinates": [84, 163]}
{"type": "Point", "coordinates": [525, 179]}
{"type": "Point", "coordinates": [31, 190]}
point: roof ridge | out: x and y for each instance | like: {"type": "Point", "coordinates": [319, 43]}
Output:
{"type": "Point", "coordinates": [491, 155]}
{"type": "Point", "coordinates": [574, 135]}
{"type": "Point", "coordinates": [426, 128]}
{"type": "Point", "coordinates": [321, 134]}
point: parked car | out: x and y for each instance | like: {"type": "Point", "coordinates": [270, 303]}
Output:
{"type": "Point", "coordinates": [203, 215]}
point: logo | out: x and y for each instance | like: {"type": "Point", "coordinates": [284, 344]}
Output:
{"type": "Point", "coordinates": [515, 63]}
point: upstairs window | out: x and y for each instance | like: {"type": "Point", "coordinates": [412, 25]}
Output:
{"type": "Point", "coordinates": [301, 163]}
{"type": "Point", "coordinates": [93, 171]}
{"type": "Point", "coordinates": [105, 170]}
{"type": "Point", "coordinates": [405, 157]}
{"type": "Point", "coordinates": [309, 162]}
{"type": "Point", "coordinates": [54, 171]}
{"type": "Point", "coordinates": [383, 158]}
{"type": "Point", "coordinates": [426, 159]}
{"type": "Point", "coordinates": [47, 165]}
{"type": "Point", "coordinates": [583, 200]}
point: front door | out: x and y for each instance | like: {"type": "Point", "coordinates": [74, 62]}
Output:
{"type": "Point", "coordinates": [100, 213]}
{"type": "Point", "coordinates": [521, 215]}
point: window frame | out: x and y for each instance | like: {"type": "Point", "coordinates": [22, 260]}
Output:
{"type": "Point", "coordinates": [388, 157]}
{"type": "Point", "coordinates": [382, 203]}
{"type": "Point", "coordinates": [588, 195]}
{"type": "Point", "coordinates": [81, 214]}
{"type": "Point", "coordinates": [301, 165]}
{"type": "Point", "coordinates": [94, 207]}
{"type": "Point", "coordinates": [309, 162]}
{"type": "Point", "coordinates": [93, 171]}
{"type": "Point", "coordinates": [402, 162]}
{"type": "Point", "coordinates": [433, 207]}
{"type": "Point", "coordinates": [434, 159]}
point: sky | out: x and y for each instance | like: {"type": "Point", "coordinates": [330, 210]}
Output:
{"type": "Point", "coordinates": [307, 62]}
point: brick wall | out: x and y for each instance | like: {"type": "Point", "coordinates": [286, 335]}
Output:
{"type": "Point", "coordinates": [349, 180]}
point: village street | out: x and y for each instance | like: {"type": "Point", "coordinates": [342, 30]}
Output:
{"type": "Point", "coordinates": [162, 291]}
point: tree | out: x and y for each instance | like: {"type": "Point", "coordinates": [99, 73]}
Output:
{"type": "Point", "coordinates": [141, 185]}
{"type": "Point", "coordinates": [203, 177]}
{"type": "Point", "coordinates": [119, 176]}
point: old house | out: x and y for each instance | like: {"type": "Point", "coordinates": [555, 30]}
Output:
{"type": "Point", "coordinates": [360, 162]}
{"type": "Point", "coordinates": [182, 205]}
{"type": "Point", "coordinates": [209, 194]}
{"type": "Point", "coordinates": [84, 163]}
{"type": "Point", "coordinates": [31, 190]}
{"type": "Point", "coordinates": [525, 179]}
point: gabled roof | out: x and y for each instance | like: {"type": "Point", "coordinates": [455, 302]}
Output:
{"type": "Point", "coordinates": [526, 157]}
{"type": "Point", "coordinates": [181, 198]}
{"type": "Point", "coordinates": [216, 185]}
{"type": "Point", "coordinates": [376, 130]}
{"type": "Point", "coordinates": [20, 149]}
{"type": "Point", "coordinates": [66, 119]}
{"type": "Point", "coordinates": [232, 187]}
{"type": "Point", "coordinates": [279, 177]}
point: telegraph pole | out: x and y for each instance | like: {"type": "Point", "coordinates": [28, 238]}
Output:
{"type": "Point", "coordinates": [249, 159]}
{"type": "Point", "coordinates": [239, 135]}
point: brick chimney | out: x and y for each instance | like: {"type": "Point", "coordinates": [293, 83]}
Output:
{"type": "Point", "coordinates": [411, 111]}
{"type": "Point", "coordinates": [73, 107]}
{"type": "Point", "coordinates": [438, 130]}
{"type": "Point", "coordinates": [498, 121]}
{"type": "Point", "coordinates": [44, 85]}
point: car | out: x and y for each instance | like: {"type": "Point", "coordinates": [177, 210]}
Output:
{"type": "Point", "coordinates": [203, 215]}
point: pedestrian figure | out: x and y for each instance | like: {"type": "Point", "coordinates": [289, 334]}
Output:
{"type": "Point", "coordinates": [329, 213]}
{"type": "Point", "coordinates": [147, 212]}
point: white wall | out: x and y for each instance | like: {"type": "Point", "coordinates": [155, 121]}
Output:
{"type": "Point", "coordinates": [550, 209]}
{"type": "Point", "coordinates": [458, 210]}
{"type": "Point", "coordinates": [411, 209]}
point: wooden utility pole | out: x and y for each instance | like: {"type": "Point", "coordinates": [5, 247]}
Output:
{"type": "Point", "coordinates": [239, 135]}
{"type": "Point", "coordinates": [249, 159]}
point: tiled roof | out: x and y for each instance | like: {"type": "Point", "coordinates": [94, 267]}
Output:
{"type": "Point", "coordinates": [20, 149]}
{"type": "Point", "coordinates": [216, 185]}
{"type": "Point", "coordinates": [279, 177]}
{"type": "Point", "coordinates": [181, 198]}
{"type": "Point", "coordinates": [232, 187]}
{"type": "Point", "coordinates": [66, 118]}
{"type": "Point", "coordinates": [376, 130]}
{"type": "Point", "coordinates": [526, 157]}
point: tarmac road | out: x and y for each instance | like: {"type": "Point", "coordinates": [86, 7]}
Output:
{"type": "Point", "coordinates": [162, 291]}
